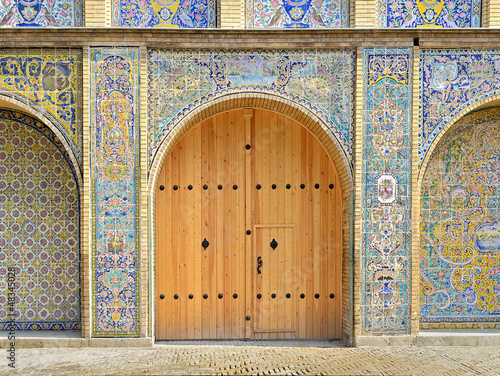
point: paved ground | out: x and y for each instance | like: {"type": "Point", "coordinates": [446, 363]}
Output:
{"type": "Point", "coordinates": [257, 357]}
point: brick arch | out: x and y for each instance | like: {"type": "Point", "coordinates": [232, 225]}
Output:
{"type": "Point", "coordinates": [261, 101]}
{"type": "Point", "coordinates": [271, 103]}
{"type": "Point", "coordinates": [13, 104]}
{"type": "Point", "coordinates": [494, 100]}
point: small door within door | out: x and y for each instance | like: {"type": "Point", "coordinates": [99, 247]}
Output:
{"type": "Point", "coordinates": [275, 280]}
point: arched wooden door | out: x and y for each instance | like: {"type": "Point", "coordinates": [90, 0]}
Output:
{"type": "Point", "coordinates": [249, 232]}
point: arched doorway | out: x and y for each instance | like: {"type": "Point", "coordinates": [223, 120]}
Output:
{"type": "Point", "coordinates": [39, 228]}
{"type": "Point", "coordinates": [249, 232]}
{"type": "Point", "coordinates": [460, 227]}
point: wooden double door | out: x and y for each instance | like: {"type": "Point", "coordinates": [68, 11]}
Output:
{"type": "Point", "coordinates": [249, 232]}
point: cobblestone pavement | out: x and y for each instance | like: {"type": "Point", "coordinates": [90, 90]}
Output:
{"type": "Point", "coordinates": [257, 357]}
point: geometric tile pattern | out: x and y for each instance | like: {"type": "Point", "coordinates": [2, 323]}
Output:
{"type": "Point", "coordinates": [460, 227]}
{"type": "Point", "coordinates": [164, 13]}
{"type": "Point", "coordinates": [39, 227]}
{"type": "Point", "coordinates": [182, 80]}
{"type": "Point", "coordinates": [48, 80]}
{"type": "Point", "coordinates": [114, 123]}
{"type": "Point", "coordinates": [385, 187]}
{"type": "Point", "coordinates": [429, 13]}
{"type": "Point", "coordinates": [451, 80]}
{"type": "Point", "coordinates": [265, 14]}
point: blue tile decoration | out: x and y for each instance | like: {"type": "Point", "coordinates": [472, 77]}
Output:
{"type": "Point", "coordinates": [39, 228]}
{"type": "Point", "coordinates": [40, 13]}
{"type": "Point", "coordinates": [165, 13]}
{"type": "Point", "coordinates": [263, 14]}
{"type": "Point", "coordinates": [49, 81]}
{"type": "Point", "coordinates": [429, 13]}
{"type": "Point", "coordinates": [460, 227]}
{"type": "Point", "coordinates": [182, 80]}
{"type": "Point", "coordinates": [386, 199]}
{"type": "Point", "coordinates": [450, 81]}
{"type": "Point", "coordinates": [114, 98]}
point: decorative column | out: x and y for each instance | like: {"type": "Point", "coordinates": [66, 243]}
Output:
{"type": "Point", "coordinates": [385, 191]}
{"type": "Point", "coordinates": [115, 179]}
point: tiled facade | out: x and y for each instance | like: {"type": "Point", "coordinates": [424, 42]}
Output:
{"type": "Point", "coordinates": [430, 13]}
{"type": "Point", "coordinates": [41, 13]}
{"type": "Point", "coordinates": [460, 226]}
{"type": "Point", "coordinates": [39, 228]}
{"type": "Point", "coordinates": [396, 109]}
{"type": "Point", "coordinates": [386, 205]}
{"type": "Point", "coordinates": [114, 82]}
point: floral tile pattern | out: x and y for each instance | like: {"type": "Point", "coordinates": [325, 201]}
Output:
{"type": "Point", "coordinates": [114, 88]}
{"type": "Point", "coordinates": [460, 227]}
{"type": "Point", "coordinates": [39, 227]}
{"type": "Point", "coordinates": [386, 200]}
{"type": "Point", "coordinates": [164, 13]}
{"type": "Point", "coordinates": [181, 80]}
{"type": "Point", "coordinates": [50, 82]}
{"type": "Point", "coordinates": [451, 80]}
{"type": "Point", "coordinates": [297, 13]}
{"type": "Point", "coordinates": [429, 13]}
{"type": "Point", "coordinates": [40, 13]}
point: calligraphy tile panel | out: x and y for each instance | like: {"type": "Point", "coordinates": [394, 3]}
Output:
{"type": "Point", "coordinates": [114, 90]}
{"type": "Point", "coordinates": [385, 187]}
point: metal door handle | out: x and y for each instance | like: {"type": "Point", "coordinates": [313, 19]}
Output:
{"type": "Point", "coordinates": [259, 265]}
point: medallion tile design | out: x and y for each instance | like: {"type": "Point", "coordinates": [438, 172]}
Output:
{"type": "Point", "coordinates": [460, 227]}
{"type": "Point", "coordinates": [39, 227]}
{"type": "Point", "coordinates": [297, 13]}
{"type": "Point", "coordinates": [114, 88]}
{"type": "Point", "coordinates": [164, 13]}
{"type": "Point", "coordinates": [386, 201]}
{"type": "Point", "coordinates": [429, 13]}
{"type": "Point", "coordinates": [181, 80]}
{"type": "Point", "coordinates": [451, 80]}
{"type": "Point", "coordinates": [40, 13]}
{"type": "Point", "coordinates": [50, 82]}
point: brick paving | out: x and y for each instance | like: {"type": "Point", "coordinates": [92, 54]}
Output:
{"type": "Point", "coordinates": [257, 358]}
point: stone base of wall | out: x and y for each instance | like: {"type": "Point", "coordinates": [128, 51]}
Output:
{"type": "Point", "coordinates": [32, 343]}
{"type": "Point", "coordinates": [435, 338]}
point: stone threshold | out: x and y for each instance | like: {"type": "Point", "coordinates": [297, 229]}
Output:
{"type": "Point", "coordinates": [435, 338]}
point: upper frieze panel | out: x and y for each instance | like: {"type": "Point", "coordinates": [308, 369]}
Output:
{"type": "Point", "coordinates": [429, 13]}
{"type": "Point", "coordinates": [263, 14]}
{"type": "Point", "coordinates": [40, 13]}
{"type": "Point", "coordinates": [164, 13]}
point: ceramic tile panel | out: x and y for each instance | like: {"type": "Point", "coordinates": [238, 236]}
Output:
{"type": "Point", "coordinates": [114, 123]}
{"type": "Point", "coordinates": [460, 227]}
{"type": "Point", "coordinates": [452, 80]}
{"type": "Point", "coordinates": [429, 13]}
{"type": "Point", "coordinates": [164, 13]}
{"type": "Point", "coordinates": [39, 228]}
{"type": "Point", "coordinates": [49, 81]}
{"type": "Point", "coordinates": [40, 13]}
{"type": "Point", "coordinates": [182, 80]}
{"type": "Point", "coordinates": [265, 14]}
{"type": "Point", "coordinates": [385, 188]}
